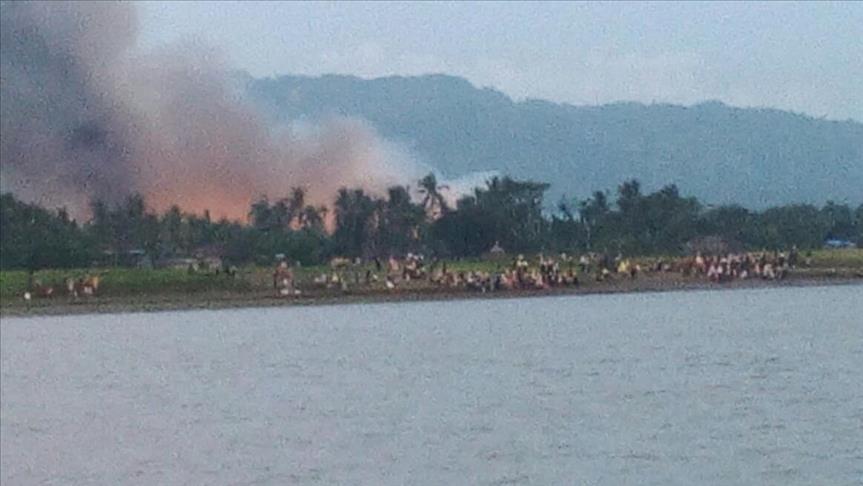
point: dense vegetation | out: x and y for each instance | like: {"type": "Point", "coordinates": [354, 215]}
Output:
{"type": "Point", "coordinates": [721, 154]}
{"type": "Point", "coordinates": [506, 211]}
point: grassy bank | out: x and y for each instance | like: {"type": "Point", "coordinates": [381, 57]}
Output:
{"type": "Point", "coordinates": [141, 289]}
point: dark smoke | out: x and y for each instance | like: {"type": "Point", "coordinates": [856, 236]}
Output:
{"type": "Point", "coordinates": [86, 115]}
{"type": "Point", "coordinates": [63, 137]}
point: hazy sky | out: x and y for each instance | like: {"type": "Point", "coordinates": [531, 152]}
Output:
{"type": "Point", "coordinates": [805, 57]}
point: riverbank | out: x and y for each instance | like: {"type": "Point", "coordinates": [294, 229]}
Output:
{"type": "Point", "coordinates": [224, 299]}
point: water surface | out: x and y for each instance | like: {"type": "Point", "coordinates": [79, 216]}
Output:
{"type": "Point", "coordinates": [732, 387]}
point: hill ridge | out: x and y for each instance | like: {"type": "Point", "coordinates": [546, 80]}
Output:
{"type": "Point", "coordinates": [717, 152]}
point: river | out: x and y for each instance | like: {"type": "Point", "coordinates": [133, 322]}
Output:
{"type": "Point", "coordinates": [707, 387]}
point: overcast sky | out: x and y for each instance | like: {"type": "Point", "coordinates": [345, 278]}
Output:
{"type": "Point", "coordinates": [804, 57]}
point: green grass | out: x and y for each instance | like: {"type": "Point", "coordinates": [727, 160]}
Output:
{"type": "Point", "coordinates": [841, 258]}
{"type": "Point", "coordinates": [12, 283]}
{"type": "Point", "coordinates": [123, 281]}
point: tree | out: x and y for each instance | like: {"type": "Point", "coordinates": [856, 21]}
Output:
{"type": "Point", "coordinates": [629, 196]}
{"type": "Point", "coordinates": [261, 214]}
{"type": "Point", "coordinates": [506, 211]}
{"type": "Point", "coordinates": [565, 230]}
{"type": "Point", "coordinates": [433, 200]}
{"type": "Point", "coordinates": [355, 228]}
{"type": "Point", "coordinates": [858, 224]}
{"type": "Point", "coordinates": [839, 219]}
{"type": "Point", "coordinates": [33, 238]}
{"type": "Point", "coordinates": [796, 224]}
{"type": "Point", "coordinates": [467, 231]}
{"type": "Point", "coordinates": [399, 222]}
{"type": "Point", "coordinates": [281, 215]}
{"type": "Point", "coordinates": [296, 203]}
{"type": "Point", "coordinates": [669, 221]}
{"type": "Point", "coordinates": [171, 226]}
{"type": "Point", "coordinates": [731, 222]}
{"type": "Point", "coordinates": [312, 218]}
{"type": "Point", "coordinates": [592, 213]}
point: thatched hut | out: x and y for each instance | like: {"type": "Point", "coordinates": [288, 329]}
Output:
{"type": "Point", "coordinates": [496, 252]}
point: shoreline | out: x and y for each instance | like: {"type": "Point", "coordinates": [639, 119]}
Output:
{"type": "Point", "coordinates": [155, 302]}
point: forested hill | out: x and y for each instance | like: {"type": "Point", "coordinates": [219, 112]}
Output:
{"type": "Point", "coordinates": [718, 153]}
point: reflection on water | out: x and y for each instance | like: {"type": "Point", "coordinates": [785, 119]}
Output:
{"type": "Point", "coordinates": [735, 387]}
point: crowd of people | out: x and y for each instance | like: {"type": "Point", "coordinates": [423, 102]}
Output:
{"type": "Point", "coordinates": [741, 266]}
{"type": "Point", "coordinates": [519, 273]}
{"type": "Point", "coordinates": [547, 273]}
{"type": "Point", "coordinates": [82, 286]}
{"type": "Point", "coordinates": [542, 272]}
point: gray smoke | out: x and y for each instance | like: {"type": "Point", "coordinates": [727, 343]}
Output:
{"type": "Point", "coordinates": [86, 114]}
{"type": "Point", "coordinates": [63, 134]}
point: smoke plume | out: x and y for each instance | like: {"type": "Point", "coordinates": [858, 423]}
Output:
{"type": "Point", "coordinates": [86, 114]}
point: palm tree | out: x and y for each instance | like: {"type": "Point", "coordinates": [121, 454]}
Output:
{"type": "Point", "coordinates": [342, 207]}
{"type": "Point", "coordinates": [433, 200]}
{"type": "Point", "coordinates": [172, 222]}
{"type": "Point", "coordinates": [101, 224]}
{"type": "Point", "coordinates": [355, 212]}
{"type": "Point", "coordinates": [629, 195]}
{"type": "Point", "coordinates": [566, 208]}
{"type": "Point", "coordinates": [260, 214]}
{"type": "Point", "coordinates": [590, 211]}
{"type": "Point", "coordinates": [399, 220]}
{"type": "Point", "coordinates": [296, 204]}
{"type": "Point", "coordinates": [312, 218]}
{"type": "Point", "coordinates": [281, 214]}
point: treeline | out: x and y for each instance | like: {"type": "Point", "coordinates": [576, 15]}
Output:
{"type": "Point", "coordinates": [506, 212]}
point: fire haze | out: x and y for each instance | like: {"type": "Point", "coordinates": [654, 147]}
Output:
{"type": "Point", "coordinates": [86, 114]}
